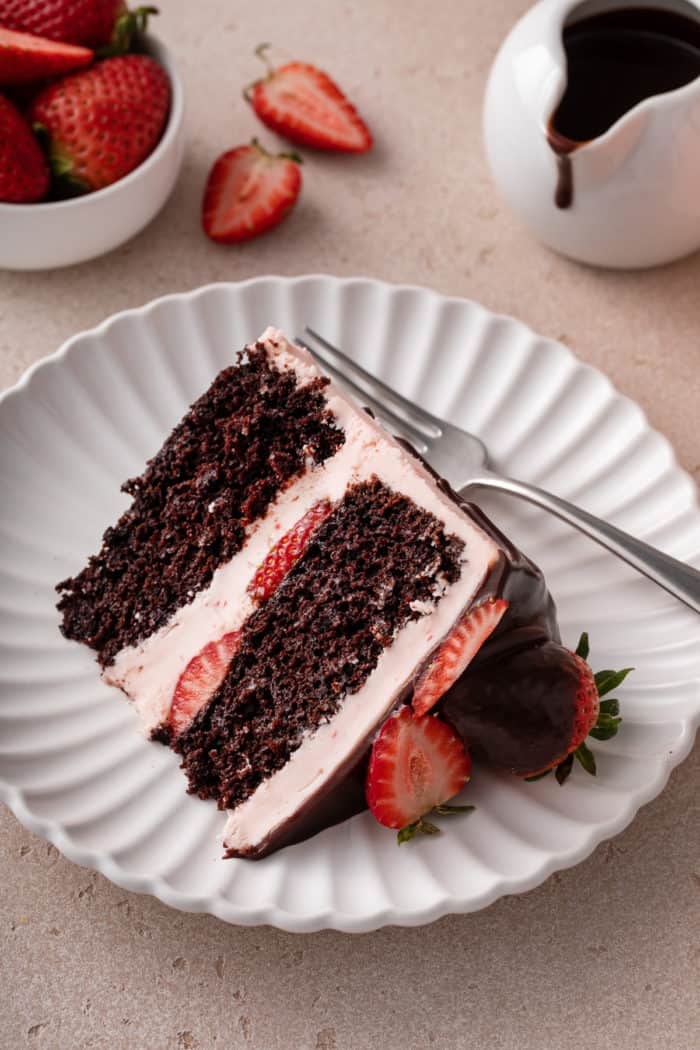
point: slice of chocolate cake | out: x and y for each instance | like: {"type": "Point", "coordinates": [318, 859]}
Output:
{"type": "Point", "coordinates": [281, 581]}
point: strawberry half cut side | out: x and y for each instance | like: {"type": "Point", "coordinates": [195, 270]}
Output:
{"type": "Point", "coordinates": [287, 552]}
{"type": "Point", "coordinates": [417, 764]}
{"type": "Point", "coordinates": [200, 680]}
{"type": "Point", "coordinates": [248, 192]}
{"type": "Point", "coordinates": [303, 104]}
{"type": "Point", "coordinates": [456, 652]}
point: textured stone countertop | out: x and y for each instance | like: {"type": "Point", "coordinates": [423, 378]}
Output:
{"type": "Point", "coordinates": [605, 955]}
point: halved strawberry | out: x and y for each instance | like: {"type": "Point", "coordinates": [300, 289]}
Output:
{"type": "Point", "coordinates": [287, 551]}
{"type": "Point", "coordinates": [454, 655]}
{"type": "Point", "coordinates": [24, 57]}
{"type": "Point", "coordinates": [248, 192]}
{"type": "Point", "coordinates": [201, 678]}
{"type": "Point", "coordinates": [302, 103]}
{"type": "Point", "coordinates": [416, 765]}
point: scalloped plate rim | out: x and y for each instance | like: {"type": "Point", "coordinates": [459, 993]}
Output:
{"type": "Point", "coordinates": [332, 918]}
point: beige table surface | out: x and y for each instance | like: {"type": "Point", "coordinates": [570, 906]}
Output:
{"type": "Point", "coordinates": [605, 955]}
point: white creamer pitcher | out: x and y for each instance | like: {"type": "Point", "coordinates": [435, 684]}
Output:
{"type": "Point", "coordinates": [633, 198]}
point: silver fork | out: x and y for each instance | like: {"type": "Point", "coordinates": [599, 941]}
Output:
{"type": "Point", "coordinates": [463, 460]}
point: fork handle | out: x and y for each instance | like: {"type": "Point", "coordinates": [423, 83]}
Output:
{"type": "Point", "coordinates": [679, 579]}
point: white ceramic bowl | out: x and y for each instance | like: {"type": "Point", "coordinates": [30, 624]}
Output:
{"type": "Point", "coordinates": [44, 236]}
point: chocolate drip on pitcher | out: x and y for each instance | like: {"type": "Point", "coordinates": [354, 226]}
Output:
{"type": "Point", "coordinates": [615, 60]}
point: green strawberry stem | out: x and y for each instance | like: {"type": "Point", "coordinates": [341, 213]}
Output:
{"type": "Point", "coordinates": [606, 726]}
{"type": "Point", "coordinates": [64, 183]}
{"type": "Point", "coordinates": [289, 155]}
{"type": "Point", "coordinates": [128, 25]}
{"type": "Point", "coordinates": [261, 52]}
{"type": "Point", "coordinates": [425, 827]}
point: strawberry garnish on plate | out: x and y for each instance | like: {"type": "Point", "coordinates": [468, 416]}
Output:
{"type": "Point", "coordinates": [417, 764]}
{"type": "Point", "coordinates": [200, 680]}
{"type": "Point", "coordinates": [593, 716]}
{"type": "Point", "coordinates": [24, 176]}
{"type": "Point", "coordinates": [287, 552]}
{"type": "Point", "coordinates": [303, 104]}
{"type": "Point", "coordinates": [24, 57]}
{"type": "Point", "coordinates": [104, 121]}
{"type": "Point", "coordinates": [455, 653]}
{"type": "Point", "coordinates": [248, 192]}
{"type": "Point", "coordinates": [92, 23]}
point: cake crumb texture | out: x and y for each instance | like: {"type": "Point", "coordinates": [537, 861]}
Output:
{"type": "Point", "coordinates": [318, 637]}
{"type": "Point", "coordinates": [251, 434]}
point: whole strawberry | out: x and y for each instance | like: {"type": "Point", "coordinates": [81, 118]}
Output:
{"type": "Point", "coordinates": [104, 121]}
{"type": "Point", "coordinates": [92, 23]}
{"type": "Point", "coordinates": [24, 176]}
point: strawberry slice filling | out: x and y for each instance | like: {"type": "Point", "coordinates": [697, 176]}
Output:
{"type": "Point", "coordinates": [287, 551]}
{"type": "Point", "coordinates": [206, 671]}
{"type": "Point", "coordinates": [200, 680]}
{"type": "Point", "coordinates": [454, 655]}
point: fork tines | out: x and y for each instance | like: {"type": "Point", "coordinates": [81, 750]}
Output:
{"type": "Point", "coordinates": [403, 416]}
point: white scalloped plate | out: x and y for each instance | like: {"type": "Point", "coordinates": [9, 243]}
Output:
{"type": "Point", "coordinates": [73, 766]}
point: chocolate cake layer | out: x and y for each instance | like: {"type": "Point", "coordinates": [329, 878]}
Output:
{"type": "Point", "coordinates": [245, 439]}
{"type": "Point", "coordinates": [364, 575]}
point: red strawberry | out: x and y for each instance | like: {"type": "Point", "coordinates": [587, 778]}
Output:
{"type": "Point", "coordinates": [24, 176]}
{"type": "Point", "coordinates": [248, 192]}
{"type": "Point", "coordinates": [416, 765]}
{"type": "Point", "coordinates": [201, 678]}
{"type": "Point", "coordinates": [104, 121]}
{"type": "Point", "coordinates": [302, 103]}
{"type": "Point", "coordinates": [455, 654]}
{"type": "Point", "coordinates": [24, 57]}
{"type": "Point", "coordinates": [592, 715]}
{"type": "Point", "coordinates": [93, 23]}
{"type": "Point", "coordinates": [528, 708]}
{"type": "Point", "coordinates": [287, 551]}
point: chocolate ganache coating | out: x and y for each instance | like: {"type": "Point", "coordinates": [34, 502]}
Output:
{"type": "Point", "coordinates": [514, 706]}
{"type": "Point", "coordinates": [516, 711]}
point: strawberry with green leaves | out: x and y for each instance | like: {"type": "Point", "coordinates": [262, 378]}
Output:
{"type": "Point", "coordinates": [530, 708]}
{"type": "Point", "coordinates": [104, 121]}
{"type": "Point", "coordinates": [248, 192]}
{"type": "Point", "coordinates": [595, 717]}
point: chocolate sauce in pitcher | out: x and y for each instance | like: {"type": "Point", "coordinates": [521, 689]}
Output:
{"type": "Point", "coordinates": [615, 60]}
